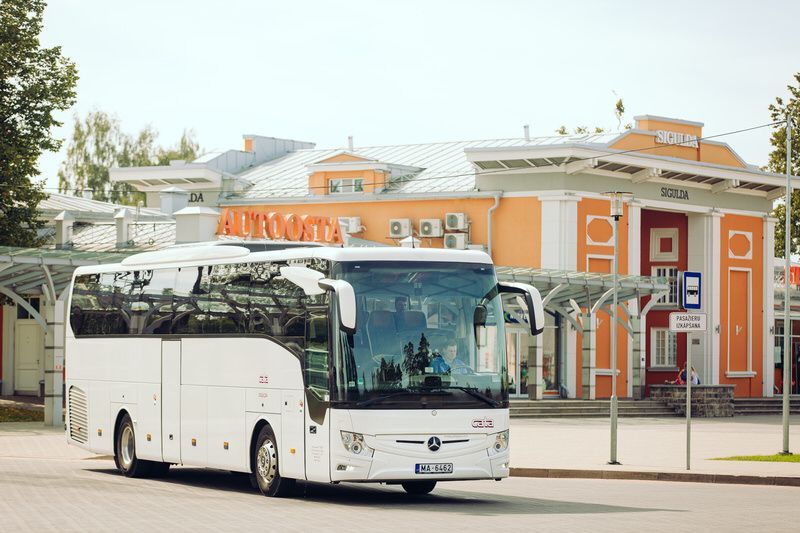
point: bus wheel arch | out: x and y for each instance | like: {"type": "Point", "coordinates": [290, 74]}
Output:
{"type": "Point", "coordinates": [265, 461]}
{"type": "Point", "coordinates": [125, 456]}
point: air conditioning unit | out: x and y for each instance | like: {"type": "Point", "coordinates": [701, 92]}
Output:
{"type": "Point", "coordinates": [399, 228]}
{"type": "Point", "coordinates": [430, 227]}
{"type": "Point", "coordinates": [456, 222]}
{"type": "Point", "coordinates": [350, 225]}
{"type": "Point", "coordinates": [455, 241]}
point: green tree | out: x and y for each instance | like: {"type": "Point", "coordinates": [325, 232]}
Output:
{"type": "Point", "coordinates": [99, 143]}
{"type": "Point", "coordinates": [35, 82]}
{"type": "Point", "coordinates": [777, 162]}
{"type": "Point", "coordinates": [187, 149]}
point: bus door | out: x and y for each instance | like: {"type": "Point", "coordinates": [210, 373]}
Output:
{"type": "Point", "coordinates": [316, 367]}
{"type": "Point", "coordinates": [171, 400]}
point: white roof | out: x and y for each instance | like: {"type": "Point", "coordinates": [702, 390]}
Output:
{"type": "Point", "coordinates": [85, 209]}
{"type": "Point", "coordinates": [195, 256]}
{"type": "Point", "coordinates": [444, 165]}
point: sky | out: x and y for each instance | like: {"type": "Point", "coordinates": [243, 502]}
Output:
{"type": "Point", "coordinates": [395, 72]}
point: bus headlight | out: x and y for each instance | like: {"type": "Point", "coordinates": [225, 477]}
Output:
{"type": "Point", "coordinates": [500, 442]}
{"type": "Point", "coordinates": [354, 443]}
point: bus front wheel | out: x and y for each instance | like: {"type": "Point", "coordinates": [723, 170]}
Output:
{"type": "Point", "coordinates": [125, 451]}
{"type": "Point", "coordinates": [419, 488]}
{"type": "Point", "coordinates": [265, 473]}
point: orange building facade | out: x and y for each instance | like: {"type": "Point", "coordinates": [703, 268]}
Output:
{"type": "Point", "coordinates": [539, 203]}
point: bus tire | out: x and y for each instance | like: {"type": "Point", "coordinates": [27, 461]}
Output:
{"type": "Point", "coordinates": [265, 474]}
{"type": "Point", "coordinates": [419, 488]}
{"type": "Point", "coordinates": [125, 451]}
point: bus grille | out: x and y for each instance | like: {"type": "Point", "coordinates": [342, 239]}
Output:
{"type": "Point", "coordinates": [78, 415]}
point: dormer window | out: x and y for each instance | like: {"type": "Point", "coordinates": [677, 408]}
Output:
{"type": "Point", "coordinates": [345, 185]}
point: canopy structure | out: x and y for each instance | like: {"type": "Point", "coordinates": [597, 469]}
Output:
{"type": "Point", "coordinates": [578, 297]}
{"type": "Point", "coordinates": [38, 271]}
{"type": "Point", "coordinates": [26, 272]}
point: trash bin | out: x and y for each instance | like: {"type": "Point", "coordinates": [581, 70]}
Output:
{"type": "Point", "coordinates": [41, 388]}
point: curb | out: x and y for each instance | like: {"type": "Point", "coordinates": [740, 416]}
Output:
{"type": "Point", "coordinates": [686, 477]}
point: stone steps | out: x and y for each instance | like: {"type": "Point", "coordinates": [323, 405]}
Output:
{"type": "Point", "coordinates": [586, 408]}
{"type": "Point", "coordinates": [764, 406]}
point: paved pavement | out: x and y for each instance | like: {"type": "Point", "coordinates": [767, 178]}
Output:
{"type": "Point", "coordinates": [654, 444]}
{"type": "Point", "coordinates": [47, 485]}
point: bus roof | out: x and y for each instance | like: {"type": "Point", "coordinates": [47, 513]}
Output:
{"type": "Point", "coordinates": [211, 255]}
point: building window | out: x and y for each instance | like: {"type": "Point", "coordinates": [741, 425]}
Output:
{"type": "Point", "coordinates": [346, 185]}
{"type": "Point", "coordinates": [671, 273]}
{"type": "Point", "coordinates": [23, 313]}
{"type": "Point", "coordinates": [663, 347]}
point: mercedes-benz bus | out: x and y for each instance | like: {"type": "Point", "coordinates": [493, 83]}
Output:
{"type": "Point", "coordinates": [321, 364]}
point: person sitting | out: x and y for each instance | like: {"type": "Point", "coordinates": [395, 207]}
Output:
{"type": "Point", "coordinates": [695, 377]}
{"type": "Point", "coordinates": [400, 307]}
{"type": "Point", "coordinates": [447, 361]}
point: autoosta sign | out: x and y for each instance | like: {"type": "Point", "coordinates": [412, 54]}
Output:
{"type": "Point", "coordinates": [257, 224]}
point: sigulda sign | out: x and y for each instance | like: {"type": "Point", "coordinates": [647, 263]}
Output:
{"type": "Point", "coordinates": [676, 194]}
{"type": "Point", "coordinates": [259, 224]}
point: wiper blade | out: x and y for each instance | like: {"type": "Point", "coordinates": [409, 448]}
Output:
{"type": "Point", "coordinates": [475, 394]}
{"type": "Point", "coordinates": [377, 399]}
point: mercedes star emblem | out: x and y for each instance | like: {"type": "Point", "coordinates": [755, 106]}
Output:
{"type": "Point", "coordinates": [434, 443]}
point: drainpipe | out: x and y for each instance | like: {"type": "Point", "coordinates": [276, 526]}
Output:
{"type": "Point", "coordinates": [489, 223]}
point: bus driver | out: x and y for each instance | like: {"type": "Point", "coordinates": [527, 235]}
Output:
{"type": "Point", "coordinates": [447, 362]}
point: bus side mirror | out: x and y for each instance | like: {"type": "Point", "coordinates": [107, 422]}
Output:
{"type": "Point", "coordinates": [345, 298]}
{"type": "Point", "coordinates": [533, 302]}
{"type": "Point", "coordinates": [305, 278]}
{"type": "Point", "coordinates": [479, 325]}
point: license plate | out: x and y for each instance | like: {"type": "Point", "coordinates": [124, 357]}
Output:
{"type": "Point", "coordinates": [433, 468]}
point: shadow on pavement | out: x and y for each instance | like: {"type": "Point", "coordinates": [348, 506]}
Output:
{"type": "Point", "coordinates": [442, 500]}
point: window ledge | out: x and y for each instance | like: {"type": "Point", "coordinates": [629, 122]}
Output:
{"type": "Point", "coordinates": [605, 372]}
{"type": "Point", "coordinates": [662, 369]}
{"type": "Point", "coordinates": [741, 374]}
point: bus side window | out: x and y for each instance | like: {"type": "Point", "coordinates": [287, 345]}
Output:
{"type": "Point", "coordinates": [225, 313]}
{"type": "Point", "coordinates": [190, 300]}
{"type": "Point", "coordinates": [151, 302]}
{"type": "Point", "coordinates": [95, 310]}
{"type": "Point", "coordinates": [81, 303]}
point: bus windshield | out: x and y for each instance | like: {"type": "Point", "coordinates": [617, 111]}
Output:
{"type": "Point", "coordinates": [429, 335]}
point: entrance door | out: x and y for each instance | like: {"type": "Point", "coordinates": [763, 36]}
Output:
{"type": "Point", "coordinates": [739, 327]}
{"type": "Point", "coordinates": [28, 356]}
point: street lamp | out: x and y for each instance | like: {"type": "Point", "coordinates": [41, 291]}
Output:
{"type": "Point", "coordinates": [787, 321]}
{"type": "Point", "coordinates": [617, 199]}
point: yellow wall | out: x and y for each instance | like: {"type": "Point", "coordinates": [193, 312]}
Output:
{"type": "Point", "coordinates": [517, 221]}
{"type": "Point", "coordinates": [707, 153]}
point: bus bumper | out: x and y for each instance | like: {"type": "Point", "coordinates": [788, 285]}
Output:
{"type": "Point", "coordinates": [386, 466]}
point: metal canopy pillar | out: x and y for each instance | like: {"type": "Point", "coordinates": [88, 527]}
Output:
{"type": "Point", "coordinates": [588, 356]}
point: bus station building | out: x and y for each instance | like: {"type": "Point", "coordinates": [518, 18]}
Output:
{"type": "Point", "coordinates": [538, 206]}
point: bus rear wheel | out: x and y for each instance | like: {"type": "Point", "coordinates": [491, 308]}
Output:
{"type": "Point", "coordinates": [125, 451]}
{"type": "Point", "coordinates": [265, 473]}
{"type": "Point", "coordinates": [419, 488]}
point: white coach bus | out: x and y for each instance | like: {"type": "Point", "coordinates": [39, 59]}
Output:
{"type": "Point", "coordinates": [322, 364]}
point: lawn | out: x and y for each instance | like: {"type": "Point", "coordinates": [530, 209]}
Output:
{"type": "Point", "coordinates": [777, 458]}
{"type": "Point", "coordinates": [14, 414]}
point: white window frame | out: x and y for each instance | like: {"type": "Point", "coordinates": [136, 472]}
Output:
{"type": "Point", "coordinates": [672, 299]}
{"type": "Point", "coordinates": [345, 185]}
{"type": "Point", "coordinates": [670, 362]}
{"type": "Point", "coordinates": [656, 234]}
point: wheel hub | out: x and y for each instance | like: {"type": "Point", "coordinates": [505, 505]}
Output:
{"type": "Point", "coordinates": [127, 447]}
{"type": "Point", "coordinates": [266, 462]}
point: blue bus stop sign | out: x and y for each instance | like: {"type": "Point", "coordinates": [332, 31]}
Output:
{"type": "Point", "coordinates": [692, 290]}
